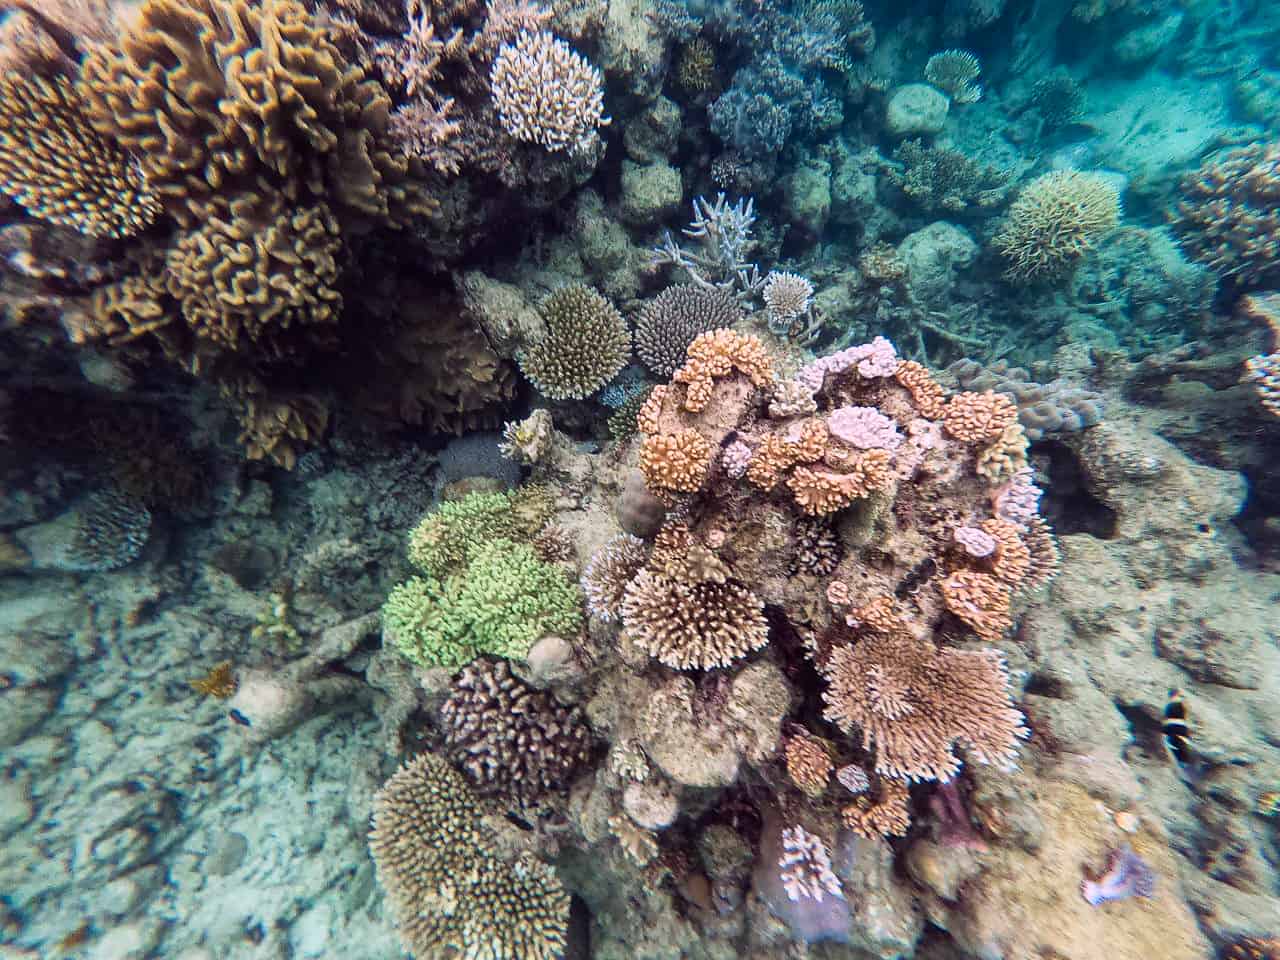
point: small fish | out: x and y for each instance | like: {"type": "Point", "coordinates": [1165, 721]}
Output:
{"type": "Point", "coordinates": [1177, 729]}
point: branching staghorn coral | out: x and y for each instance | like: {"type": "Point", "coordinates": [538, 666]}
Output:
{"type": "Point", "coordinates": [447, 888]}
{"type": "Point", "coordinates": [724, 239]}
{"type": "Point", "coordinates": [1054, 221]}
{"type": "Point", "coordinates": [667, 324]}
{"type": "Point", "coordinates": [546, 93]}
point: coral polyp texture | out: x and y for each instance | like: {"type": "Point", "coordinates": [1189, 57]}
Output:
{"type": "Point", "coordinates": [508, 737]}
{"type": "Point", "coordinates": [955, 73]}
{"type": "Point", "coordinates": [1226, 216]}
{"type": "Point", "coordinates": [55, 165]}
{"type": "Point", "coordinates": [915, 556]}
{"type": "Point", "coordinates": [1054, 221]}
{"type": "Point", "coordinates": [585, 345]}
{"type": "Point", "coordinates": [546, 93]}
{"type": "Point", "coordinates": [667, 324]}
{"type": "Point", "coordinates": [449, 891]}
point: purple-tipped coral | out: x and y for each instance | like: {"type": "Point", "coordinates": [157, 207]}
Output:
{"type": "Point", "coordinates": [1126, 875]}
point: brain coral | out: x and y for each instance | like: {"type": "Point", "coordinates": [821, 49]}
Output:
{"type": "Point", "coordinates": [585, 346]}
{"type": "Point", "coordinates": [1054, 221]}
{"type": "Point", "coordinates": [447, 888]}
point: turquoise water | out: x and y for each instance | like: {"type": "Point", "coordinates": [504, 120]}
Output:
{"type": "Point", "coordinates": [639, 479]}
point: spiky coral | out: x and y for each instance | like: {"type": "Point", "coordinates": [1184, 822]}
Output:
{"type": "Point", "coordinates": [585, 345]}
{"type": "Point", "coordinates": [546, 93]}
{"type": "Point", "coordinates": [1056, 219]}
{"type": "Point", "coordinates": [913, 701]}
{"type": "Point", "coordinates": [609, 571]}
{"type": "Point", "coordinates": [447, 888]}
{"type": "Point", "coordinates": [59, 169]}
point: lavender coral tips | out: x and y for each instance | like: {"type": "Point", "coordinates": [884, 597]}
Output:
{"type": "Point", "coordinates": [546, 93]}
{"type": "Point", "coordinates": [865, 428]}
{"type": "Point", "coordinates": [1127, 875]}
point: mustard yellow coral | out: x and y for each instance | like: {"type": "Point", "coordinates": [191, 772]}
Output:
{"type": "Point", "coordinates": [675, 461]}
{"type": "Point", "coordinates": [59, 169]}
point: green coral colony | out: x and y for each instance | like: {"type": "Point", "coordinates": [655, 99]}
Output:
{"type": "Point", "coordinates": [639, 437]}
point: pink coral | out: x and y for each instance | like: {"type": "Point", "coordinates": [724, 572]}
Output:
{"type": "Point", "coordinates": [735, 458]}
{"type": "Point", "coordinates": [976, 543]}
{"type": "Point", "coordinates": [864, 428]}
{"type": "Point", "coordinates": [875, 359]}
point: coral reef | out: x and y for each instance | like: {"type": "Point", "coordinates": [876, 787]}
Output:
{"type": "Point", "coordinates": [546, 93]}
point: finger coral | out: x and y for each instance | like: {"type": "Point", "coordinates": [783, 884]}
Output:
{"type": "Point", "coordinates": [585, 345]}
{"type": "Point", "coordinates": [59, 169]}
{"type": "Point", "coordinates": [508, 737]}
{"type": "Point", "coordinates": [546, 93]}
{"type": "Point", "coordinates": [446, 886]}
{"type": "Point", "coordinates": [974, 417]}
{"type": "Point", "coordinates": [1055, 220]}
{"type": "Point", "coordinates": [675, 461]}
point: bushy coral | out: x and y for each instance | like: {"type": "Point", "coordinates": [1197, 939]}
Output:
{"type": "Point", "coordinates": [503, 601]}
{"type": "Point", "coordinates": [447, 538]}
{"type": "Point", "coordinates": [59, 169]}
{"type": "Point", "coordinates": [585, 345]}
{"type": "Point", "coordinates": [546, 93]}
{"type": "Point", "coordinates": [447, 888]}
{"type": "Point", "coordinates": [1054, 221]}
{"type": "Point", "coordinates": [508, 737]}
{"type": "Point", "coordinates": [610, 569]}
{"type": "Point", "coordinates": [1058, 98]}
{"type": "Point", "coordinates": [1227, 217]}
{"type": "Point", "coordinates": [109, 530]}
{"type": "Point", "coordinates": [667, 324]}
{"type": "Point", "coordinates": [955, 73]}
{"type": "Point", "coordinates": [941, 178]}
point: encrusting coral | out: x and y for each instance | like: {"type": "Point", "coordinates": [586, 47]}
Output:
{"type": "Point", "coordinates": [447, 888]}
{"type": "Point", "coordinates": [1055, 220]}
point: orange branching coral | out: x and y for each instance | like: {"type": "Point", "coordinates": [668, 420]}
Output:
{"type": "Point", "coordinates": [885, 816]}
{"type": "Point", "coordinates": [915, 701]}
{"type": "Point", "coordinates": [975, 417]}
{"type": "Point", "coordinates": [675, 461]}
{"type": "Point", "coordinates": [928, 395]}
{"type": "Point", "coordinates": [717, 354]}
{"type": "Point", "coordinates": [1012, 560]}
{"type": "Point", "coordinates": [771, 459]}
{"type": "Point", "coordinates": [651, 410]}
{"type": "Point", "coordinates": [693, 625]}
{"type": "Point", "coordinates": [219, 682]}
{"type": "Point", "coordinates": [881, 615]}
{"type": "Point", "coordinates": [808, 764]}
{"type": "Point", "coordinates": [1043, 549]}
{"type": "Point", "coordinates": [980, 600]}
{"type": "Point", "coordinates": [820, 492]}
